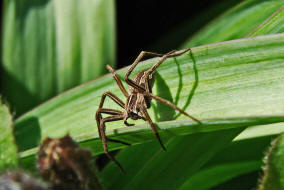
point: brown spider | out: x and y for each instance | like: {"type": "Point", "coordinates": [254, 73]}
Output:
{"type": "Point", "coordinates": [138, 101]}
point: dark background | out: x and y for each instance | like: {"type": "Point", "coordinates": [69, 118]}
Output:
{"type": "Point", "coordinates": [161, 26]}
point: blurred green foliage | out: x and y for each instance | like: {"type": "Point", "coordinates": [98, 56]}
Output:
{"type": "Point", "coordinates": [51, 46]}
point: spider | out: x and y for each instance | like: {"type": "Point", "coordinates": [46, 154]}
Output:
{"type": "Point", "coordinates": [138, 100]}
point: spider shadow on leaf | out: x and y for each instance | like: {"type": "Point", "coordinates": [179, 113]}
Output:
{"type": "Point", "coordinates": [163, 112]}
{"type": "Point", "coordinates": [193, 89]}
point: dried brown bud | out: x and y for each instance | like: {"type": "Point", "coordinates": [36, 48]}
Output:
{"type": "Point", "coordinates": [65, 165]}
{"type": "Point", "coordinates": [19, 181]}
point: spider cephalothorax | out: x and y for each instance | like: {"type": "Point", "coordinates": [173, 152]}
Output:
{"type": "Point", "coordinates": [138, 99]}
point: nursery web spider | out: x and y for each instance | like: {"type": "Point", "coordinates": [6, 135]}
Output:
{"type": "Point", "coordinates": [138, 99]}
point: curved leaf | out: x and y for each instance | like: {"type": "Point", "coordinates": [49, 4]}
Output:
{"type": "Point", "coordinates": [228, 72]}
{"type": "Point", "coordinates": [167, 183]}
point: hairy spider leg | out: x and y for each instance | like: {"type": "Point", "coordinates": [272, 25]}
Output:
{"type": "Point", "coordinates": [134, 64]}
{"type": "Point", "coordinates": [116, 115]}
{"type": "Point", "coordinates": [173, 53]}
{"type": "Point", "coordinates": [145, 113]}
{"type": "Point", "coordinates": [118, 81]}
{"type": "Point", "coordinates": [162, 100]}
{"type": "Point", "coordinates": [104, 139]}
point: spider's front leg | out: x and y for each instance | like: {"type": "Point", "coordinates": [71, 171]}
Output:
{"type": "Point", "coordinates": [173, 53]}
{"type": "Point", "coordinates": [101, 122]}
{"type": "Point", "coordinates": [151, 70]}
{"type": "Point", "coordinates": [113, 97]}
{"type": "Point", "coordinates": [108, 111]}
{"type": "Point", "coordinates": [134, 64]}
{"type": "Point", "coordinates": [118, 81]}
{"type": "Point", "coordinates": [115, 115]}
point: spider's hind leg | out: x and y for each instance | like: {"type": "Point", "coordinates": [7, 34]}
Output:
{"type": "Point", "coordinates": [148, 118]}
{"type": "Point", "coordinates": [164, 101]}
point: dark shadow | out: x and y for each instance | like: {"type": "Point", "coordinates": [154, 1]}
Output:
{"type": "Point", "coordinates": [162, 111]}
{"type": "Point", "coordinates": [195, 84]}
{"type": "Point", "coordinates": [180, 83]}
{"type": "Point", "coordinates": [27, 133]}
{"type": "Point", "coordinates": [16, 93]}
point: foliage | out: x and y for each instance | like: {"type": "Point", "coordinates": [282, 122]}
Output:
{"type": "Point", "coordinates": [233, 84]}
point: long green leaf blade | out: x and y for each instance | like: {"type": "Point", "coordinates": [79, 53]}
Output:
{"type": "Point", "coordinates": [172, 171]}
{"type": "Point", "coordinates": [219, 69]}
{"type": "Point", "coordinates": [218, 174]}
{"type": "Point", "coordinates": [273, 25]}
{"type": "Point", "coordinates": [236, 23]}
{"type": "Point", "coordinates": [236, 159]}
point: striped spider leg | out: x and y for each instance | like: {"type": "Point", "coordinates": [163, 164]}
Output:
{"type": "Point", "coordinates": [138, 100]}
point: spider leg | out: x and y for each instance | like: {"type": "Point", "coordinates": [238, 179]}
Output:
{"type": "Point", "coordinates": [173, 53]}
{"type": "Point", "coordinates": [148, 118]}
{"type": "Point", "coordinates": [118, 81]}
{"type": "Point", "coordinates": [134, 64]}
{"type": "Point", "coordinates": [131, 124]}
{"type": "Point", "coordinates": [109, 111]}
{"type": "Point", "coordinates": [106, 111]}
{"type": "Point", "coordinates": [113, 97]}
{"type": "Point", "coordinates": [104, 138]}
{"type": "Point", "coordinates": [170, 104]}
{"type": "Point", "coordinates": [128, 124]}
{"type": "Point", "coordinates": [99, 118]}
{"type": "Point", "coordinates": [141, 55]}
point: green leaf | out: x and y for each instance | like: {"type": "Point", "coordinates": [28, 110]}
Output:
{"type": "Point", "coordinates": [273, 25]}
{"type": "Point", "coordinates": [229, 76]}
{"type": "Point", "coordinates": [166, 170]}
{"type": "Point", "coordinates": [235, 23]}
{"type": "Point", "coordinates": [210, 177]}
{"type": "Point", "coordinates": [248, 7]}
{"type": "Point", "coordinates": [8, 148]}
{"type": "Point", "coordinates": [235, 159]}
{"type": "Point", "coordinates": [273, 178]}
{"type": "Point", "coordinates": [51, 46]}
